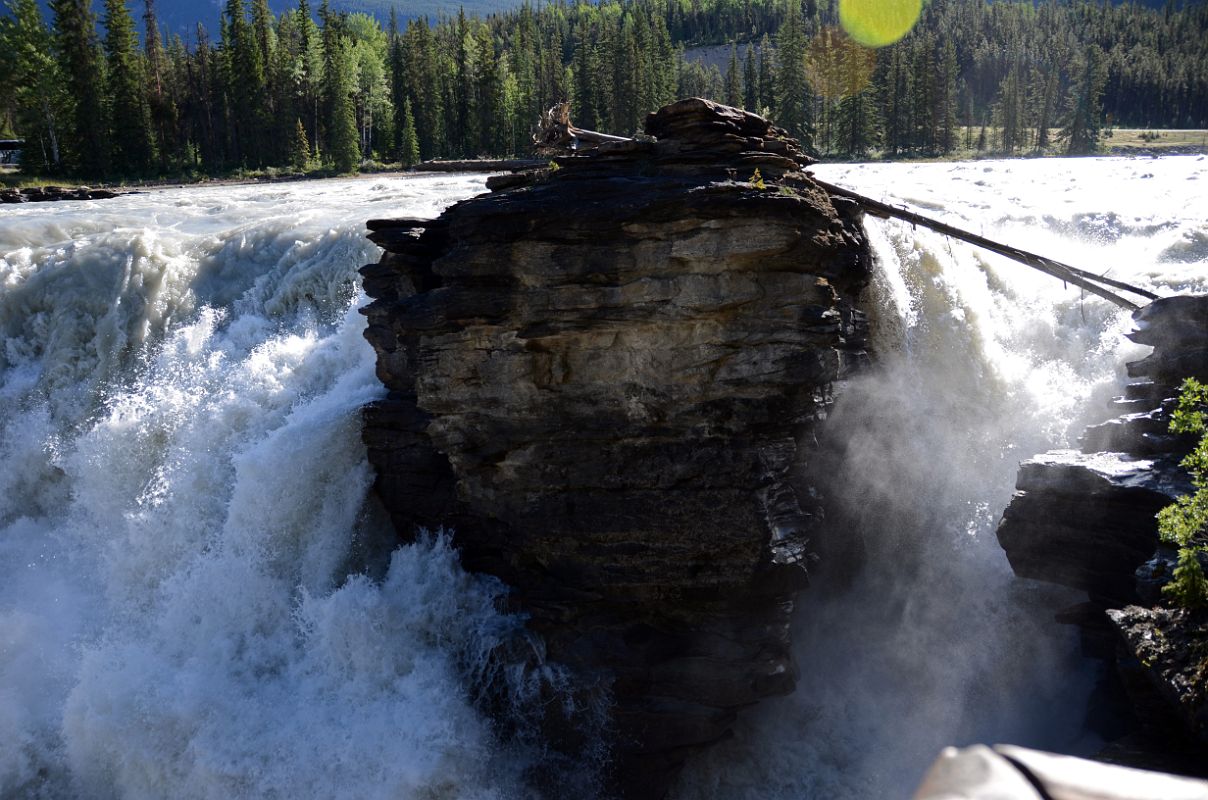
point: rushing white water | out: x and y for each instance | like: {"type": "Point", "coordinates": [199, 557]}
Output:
{"type": "Point", "coordinates": [183, 497]}
{"type": "Point", "coordinates": [983, 362]}
{"type": "Point", "coordinates": [197, 598]}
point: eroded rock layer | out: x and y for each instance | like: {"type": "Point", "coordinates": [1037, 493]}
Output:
{"type": "Point", "coordinates": [606, 378]}
{"type": "Point", "coordinates": [1086, 519]}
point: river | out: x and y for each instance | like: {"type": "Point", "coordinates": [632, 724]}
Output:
{"type": "Point", "coordinates": [199, 599]}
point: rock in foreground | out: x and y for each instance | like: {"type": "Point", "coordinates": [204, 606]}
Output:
{"type": "Point", "coordinates": [1005, 772]}
{"type": "Point", "coordinates": [606, 378]}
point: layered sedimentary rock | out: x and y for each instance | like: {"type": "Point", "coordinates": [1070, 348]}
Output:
{"type": "Point", "coordinates": [606, 378]}
{"type": "Point", "coordinates": [1086, 519]}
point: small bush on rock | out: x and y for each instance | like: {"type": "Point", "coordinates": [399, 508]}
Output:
{"type": "Point", "coordinates": [1184, 524]}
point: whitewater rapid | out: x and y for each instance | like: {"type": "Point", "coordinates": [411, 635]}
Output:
{"type": "Point", "coordinates": [200, 599]}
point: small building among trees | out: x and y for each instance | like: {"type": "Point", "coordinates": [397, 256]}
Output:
{"type": "Point", "coordinates": [10, 151]}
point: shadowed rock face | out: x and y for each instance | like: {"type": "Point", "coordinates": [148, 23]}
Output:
{"type": "Point", "coordinates": [606, 378]}
{"type": "Point", "coordinates": [1086, 519]}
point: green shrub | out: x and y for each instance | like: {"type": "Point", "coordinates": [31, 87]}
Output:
{"type": "Point", "coordinates": [1184, 524]}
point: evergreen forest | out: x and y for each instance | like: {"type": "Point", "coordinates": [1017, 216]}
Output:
{"type": "Point", "coordinates": [313, 89]}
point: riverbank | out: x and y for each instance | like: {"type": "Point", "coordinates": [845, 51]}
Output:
{"type": "Point", "coordinates": [11, 181]}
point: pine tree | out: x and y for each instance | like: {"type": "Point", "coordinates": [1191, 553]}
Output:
{"type": "Point", "coordinates": [946, 100]}
{"type": "Point", "coordinates": [342, 148]}
{"type": "Point", "coordinates": [923, 123]}
{"type": "Point", "coordinates": [397, 72]}
{"type": "Point", "coordinates": [423, 81]}
{"type": "Point", "coordinates": [199, 113]}
{"type": "Point", "coordinates": [487, 90]}
{"type": "Point", "coordinates": [856, 124]}
{"type": "Point", "coordinates": [767, 82]}
{"type": "Point", "coordinates": [161, 104]}
{"type": "Point", "coordinates": [894, 82]}
{"type": "Point", "coordinates": [586, 66]}
{"type": "Point", "coordinates": [750, 79]}
{"type": "Point", "coordinates": [272, 127]}
{"type": "Point", "coordinates": [526, 68]}
{"type": "Point", "coordinates": [83, 68]}
{"type": "Point", "coordinates": [792, 90]}
{"type": "Point", "coordinates": [245, 85]}
{"type": "Point", "coordinates": [733, 79]}
{"type": "Point", "coordinates": [130, 128]}
{"type": "Point", "coordinates": [1044, 101]}
{"type": "Point", "coordinates": [1085, 108]}
{"type": "Point", "coordinates": [310, 67]}
{"type": "Point", "coordinates": [408, 153]}
{"type": "Point", "coordinates": [299, 152]}
{"type": "Point", "coordinates": [460, 132]}
{"type": "Point", "coordinates": [1009, 112]}
{"type": "Point", "coordinates": [664, 59]}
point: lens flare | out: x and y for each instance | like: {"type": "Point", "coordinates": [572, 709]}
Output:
{"type": "Point", "coordinates": [837, 66]}
{"type": "Point", "coordinates": [877, 23]}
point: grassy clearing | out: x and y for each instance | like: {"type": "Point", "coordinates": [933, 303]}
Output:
{"type": "Point", "coordinates": [1155, 139]}
{"type": "Point", "coordinates": [1115, 141]}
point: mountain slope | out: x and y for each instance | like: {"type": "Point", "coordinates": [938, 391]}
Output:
{"type": "Point", "coordinates": [182, 16]}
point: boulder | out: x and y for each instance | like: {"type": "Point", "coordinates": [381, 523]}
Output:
{"type": "Point", "coordinates": [1087, 520]}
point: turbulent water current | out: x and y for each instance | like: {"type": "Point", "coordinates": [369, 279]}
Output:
{"type": "Point", "coordinates": [199, 599]}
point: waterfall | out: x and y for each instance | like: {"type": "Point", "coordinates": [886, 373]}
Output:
{"type": "Point", "coordinates": [199, 598]}
{"type": "Point", "coordinates": [980, 363]}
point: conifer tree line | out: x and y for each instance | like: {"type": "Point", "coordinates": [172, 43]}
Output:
{"type": "Point", "coordinates": [317, 88]}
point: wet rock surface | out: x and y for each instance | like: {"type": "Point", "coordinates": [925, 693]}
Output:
{"type": "Point", "coordinates": [1086, 519]}
{"type": "Point", "coordinates": [606, 377]}
{"type": "Point", "coordinates": [1168, 649]}
{"type": "Point", "coordinates": [51, 194]}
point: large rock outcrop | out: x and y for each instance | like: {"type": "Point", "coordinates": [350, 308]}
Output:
{"type": "Point", "coordinates": [606, 378]}
{"type": "Point", "coordinates": [1086, 519]}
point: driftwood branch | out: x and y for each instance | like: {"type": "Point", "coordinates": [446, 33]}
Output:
{"type": "Point", "coordinates": [1086, 280]}
{"type": "Point", "coordinates": [556, 132]}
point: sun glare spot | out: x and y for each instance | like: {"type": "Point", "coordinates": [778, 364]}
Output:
{"type": "Point", "coordinates": [877, 23]}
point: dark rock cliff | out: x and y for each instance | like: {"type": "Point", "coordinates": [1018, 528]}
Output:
{"type": "Point", "coordinates": [1086, 519]}
{"type": "Point", "coordinates": [606, 378]}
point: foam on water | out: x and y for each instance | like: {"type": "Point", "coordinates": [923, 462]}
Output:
{"type": "Point", "coordinates": [198, 599]}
